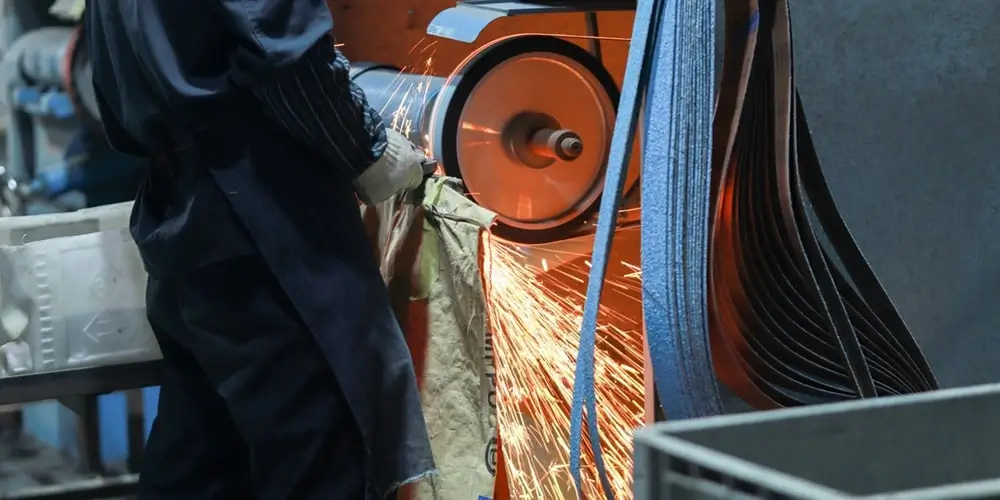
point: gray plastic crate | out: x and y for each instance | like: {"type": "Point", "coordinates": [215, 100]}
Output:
{"type": "Point", "coordinates": [943, 445]}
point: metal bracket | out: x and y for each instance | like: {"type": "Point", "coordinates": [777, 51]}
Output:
{"type": "Point", "coordinates": [465, 21]}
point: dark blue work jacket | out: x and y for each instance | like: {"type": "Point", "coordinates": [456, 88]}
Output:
{"type": "Point", "coordinates": [171, 79]}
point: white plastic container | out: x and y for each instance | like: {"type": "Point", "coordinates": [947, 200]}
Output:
{"type": "Point", "coordinates": [72, 292]}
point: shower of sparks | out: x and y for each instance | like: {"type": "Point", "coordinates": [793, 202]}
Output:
{"type": "Point", "coordinates": [535, 313]}
{"type": "Point", "coordinates": [407, 93]}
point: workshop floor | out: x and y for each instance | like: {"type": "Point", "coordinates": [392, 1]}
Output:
{"type": "Point", "coordinates": [26, 464]}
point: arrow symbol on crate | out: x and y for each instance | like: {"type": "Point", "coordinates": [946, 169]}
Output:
{"type": "Point", "coordinates": [99, 327]}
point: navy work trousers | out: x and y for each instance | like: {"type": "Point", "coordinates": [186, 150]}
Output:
{"type": "Point", "coordinates": [249, 408]}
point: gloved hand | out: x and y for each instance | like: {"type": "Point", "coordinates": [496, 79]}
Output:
{"type": "Point", "coordinates": [401, 167]}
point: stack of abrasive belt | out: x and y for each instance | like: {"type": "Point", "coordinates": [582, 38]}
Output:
{"type": "Point", "coordinates": [793, 321]}
{"type": "Point", "coordinates": [790, 320]}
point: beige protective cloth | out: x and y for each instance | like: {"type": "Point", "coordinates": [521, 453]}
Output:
{"type": "Point", "coordinates": [68, 10]}
{"type": "Point", "coordinates": [430, 259]}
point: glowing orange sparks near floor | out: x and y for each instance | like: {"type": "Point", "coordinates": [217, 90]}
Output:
{"type": "Point", "coordinates": [535, 316]}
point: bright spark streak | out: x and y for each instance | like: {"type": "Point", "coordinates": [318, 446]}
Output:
{"type": "Point", "coordinates": [412, 94]}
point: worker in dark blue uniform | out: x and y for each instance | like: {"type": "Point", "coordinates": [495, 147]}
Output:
{"type": "Point", "coordinates": [287, 376]}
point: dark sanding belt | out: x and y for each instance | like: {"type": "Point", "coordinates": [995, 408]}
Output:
{"type": "Point", "coordinates": [791, 318]}
{"type": "Point", "coordinates": [795, 320]}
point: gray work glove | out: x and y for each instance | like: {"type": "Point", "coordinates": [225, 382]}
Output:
{"type": "Point", "coordinates": [401, 167]}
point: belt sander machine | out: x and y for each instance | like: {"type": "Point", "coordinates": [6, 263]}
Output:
{"type": "Point", "coordinates": [525, 122]}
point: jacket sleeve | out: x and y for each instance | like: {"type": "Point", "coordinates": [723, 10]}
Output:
{"type": "Point", "coordinates": [287, 59]}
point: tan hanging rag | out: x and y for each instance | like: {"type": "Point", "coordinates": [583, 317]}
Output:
{"type": "Point", "coordinates": [430, 258]}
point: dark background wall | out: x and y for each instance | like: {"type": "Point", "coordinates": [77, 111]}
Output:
{"type": "Point", "coordinates": [904, 102]}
